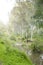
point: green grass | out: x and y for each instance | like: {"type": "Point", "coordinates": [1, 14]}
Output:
{"type": "Point", "coordinates": [12, 57]}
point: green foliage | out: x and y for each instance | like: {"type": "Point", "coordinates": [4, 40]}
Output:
{"type": "Point", "coordinates": [8, 54]}
{"type": "Point", "coordinates": [12, 56]}
{"type": "Point", "coordinates": [37, 45]}
{"type": "Point", "coordinates": [21, 17]}
{"type": "Point", "coordinates": [19, 30]}
{"type": "Point", "coordinates": [38, 16]}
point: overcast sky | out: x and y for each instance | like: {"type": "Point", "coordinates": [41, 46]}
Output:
{"type": "Point", "coordinates": [5, 8]}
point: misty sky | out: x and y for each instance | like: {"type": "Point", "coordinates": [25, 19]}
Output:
{"type": "Point", "coordinates": [5, 8]}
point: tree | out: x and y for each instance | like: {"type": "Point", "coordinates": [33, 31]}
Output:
{"type": "Point", "coordinates": [38, 16]}
{"type": "Point", "coordinates": [21, 17]}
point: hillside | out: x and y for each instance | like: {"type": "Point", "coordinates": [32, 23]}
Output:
{"type": "Point", "coordinates": [12, 56]}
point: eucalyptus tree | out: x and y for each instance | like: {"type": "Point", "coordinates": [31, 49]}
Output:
{"type": "Point", "coordinates": [20, 17]}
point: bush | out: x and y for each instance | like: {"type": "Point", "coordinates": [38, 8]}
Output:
{"type": "Point", "coordinates": [37, 48]}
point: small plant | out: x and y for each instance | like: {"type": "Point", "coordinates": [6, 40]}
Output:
{"type": "Point", "coordinates": [37, 48]}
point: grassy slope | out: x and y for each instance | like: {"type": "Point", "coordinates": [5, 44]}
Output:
{"type": "Point", "coordinates": [12, 57]}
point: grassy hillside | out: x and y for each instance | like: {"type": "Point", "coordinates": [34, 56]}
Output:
{"type": "Point", "coordinates": [12, 57]}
